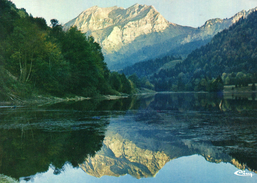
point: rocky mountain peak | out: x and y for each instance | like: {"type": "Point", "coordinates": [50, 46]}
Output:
{"type": "Point", "coordinates": [212, 22]}
{"type": "Point", "coordinates": [139, 32]}
{"type": "Point", "coordinates": [228, 22]}
{"type": "Point", "coordinates": [115, 27]}
{"type": "Point", "coordinates": [243, 14]}
{"type": "Point", "coordinates": [93, 8]}
{"type": "Point", "coordinates": [113, 15]}
{"type": "Point", "coordinates": [127, 156]}
{"type": "Point", "coordinates": [138, 8]}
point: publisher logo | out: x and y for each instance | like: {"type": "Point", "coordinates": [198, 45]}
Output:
{"type": "Point", "coordinates": [243, 173]}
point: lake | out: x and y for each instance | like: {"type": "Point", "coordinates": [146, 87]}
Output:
{"type": "Point", "coordinates": [166, 137]}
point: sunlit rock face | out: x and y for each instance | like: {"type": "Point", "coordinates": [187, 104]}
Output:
{"type": "Point", "coordinates": [119, 157]}
{"type": "Point", "coordinates": [141, 142]}
{"type": "Point", "coordinates": [133, 31]}
{"type": "Point", "coordinates": [115, 27]}
{"type": "Point", "coordinates": [122, 32]}
{"type": "Point", "coordinates": [141, 148]}
{"type": "Point", "coordinates": [140, 32]}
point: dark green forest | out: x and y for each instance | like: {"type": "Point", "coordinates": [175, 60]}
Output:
{"type": "Point", "coordinates": [36, 58]}
{"type": "Point", "coordinates": [139, 72]}
{"type": "Point", "coordinates": [145, 68]}
{"type": "Point", "coordinates": [228, 59]}
{"type": "Point", "coordinates": [39, 59]}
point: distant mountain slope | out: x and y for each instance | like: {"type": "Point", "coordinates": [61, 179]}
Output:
{"type": "Point", "coordinates": [140, 32]}
{"type": "Point", "coordinates": [169, 65]}
{"type": "Point", "coordinates": [230, 55]}
{"type": "Point", "coordinates": [232, 50]}
{"type": "Point", "coordinates": [146, 68]}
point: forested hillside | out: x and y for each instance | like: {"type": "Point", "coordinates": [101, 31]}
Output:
{"type": "Point", "coordinates": [230, 58]}
{"type": "Point", "coordinates": [37, 58]}
{"type": "Point", "coordinates": [142, 69]}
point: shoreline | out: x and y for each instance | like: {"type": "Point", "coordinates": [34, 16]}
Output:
{"type": "Point", "coordinates": [45, 100]}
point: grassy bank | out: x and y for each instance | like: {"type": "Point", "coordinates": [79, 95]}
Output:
{"type": "Point", "coordinates": [244, 92]}
{"type": "Point", "coordinates": [232, 88]}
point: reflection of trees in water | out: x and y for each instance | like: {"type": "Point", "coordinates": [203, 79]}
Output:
{"type": "Point", "coordinates": [200, 101]}
{"type": "Point", "coordinates": [228, 124]}
{"type": "Point", "coordinates": [32, 139]}
{"type": "Point", "coordinates": [240, 105]}
{"type": "Point", "coordinates": [99, 105]}
{"type": "Point", "coordinates": [185, 101]}
{"type": "Point", "coordinates": [33, 152]}
{"type": "Point", "coordinates": [35, 139]}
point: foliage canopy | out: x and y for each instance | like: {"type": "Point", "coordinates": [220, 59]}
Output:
{"type": "Point", "coordinates": [50, 59]}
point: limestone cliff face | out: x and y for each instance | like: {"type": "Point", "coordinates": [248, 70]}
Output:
{"type": "Point", "coordinates": [119, 156]}
{"type": "Point", "coordinates": [141, 146]}
{"type": "Point", "coordinates": [114, 27]}
{"type": "Point", "coordinates": [213, 26]}
{"type": "Point", "coordinates": [140, 32]}
{"type": "Point", "coordinates": [122, 32]}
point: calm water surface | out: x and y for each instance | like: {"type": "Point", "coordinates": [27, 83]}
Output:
{"type": "Point", "coordinates": [161, 138]}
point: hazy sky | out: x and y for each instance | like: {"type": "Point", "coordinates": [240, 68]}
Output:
{"type": "Point", "coordinates": [184, 12]}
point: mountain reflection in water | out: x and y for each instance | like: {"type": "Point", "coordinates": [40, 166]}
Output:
{"type": "Point", "coordinates": [138, 136]}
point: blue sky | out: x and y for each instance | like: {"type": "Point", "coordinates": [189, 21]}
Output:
{"type": "Point", "coordinates": [184, 12]}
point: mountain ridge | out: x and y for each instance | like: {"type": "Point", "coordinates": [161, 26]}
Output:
{"type": "Point", "coordinates": [93, 20]}
{"type": "Point", "coordinates": [128, 35]}
{"type": "Point", "coordinates": [230, 57]}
